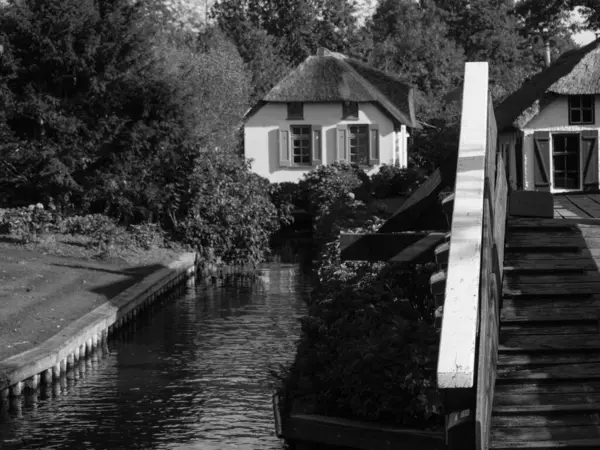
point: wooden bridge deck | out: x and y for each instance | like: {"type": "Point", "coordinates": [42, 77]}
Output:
{"type": "Point", "coordinates": [547, 390]}
{"type": "Point", "coordinates": [579, 205]}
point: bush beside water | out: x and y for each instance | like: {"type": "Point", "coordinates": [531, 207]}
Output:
{"type": "Point", "coordinates": [368, 346]}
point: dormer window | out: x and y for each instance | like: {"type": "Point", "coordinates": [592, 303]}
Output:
{"type": "Point", "coordinates": [350, 110]}
{"type": "Point", "coordinates": [581, 109]}
{"type": "Point", "coordinates": [295, 111]}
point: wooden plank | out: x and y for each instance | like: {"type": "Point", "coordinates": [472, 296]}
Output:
{"type": "Point", "coordinates": [527, 222]}
{"type": "Point", "coordinates": [456, 360]}
{"type": "Point", "coordinates": [551, 289]}
{"type": "Point", "coordinates": [548, 313]}
{"type": "Point", "coordinates": [358, 435]}
{"type": "Point", "coordinates": [583, 204]}
{"type": "Point", "coordinates": [437, 282]}
{"type": "Point", "coordinates": [420, 250]}
{"type": "Point", "coordinates": [547, 409]}
{"type": "Point", "coordinates": [532, 359]}
{"type": "Point", "coordinates": [549, 343]}
{"type": "Point", "coordinates": [584, 231]}
{"type": "Point", "coordinates": [550, 266]}
{"type": "Point", "coordinates": [572, 444]}
{"type": "Point", "coordinates": [537, 434]}
{"type": "Point", "coordinates": [549, 257]}
{"type": "Point", "coordinates": [554, 420]}
{"type": "Point", "coordinates": [538, 303]}
{"type": "Point", "coordinates": [561, 398]}
{"type": "Point", "coordinates": [556, 328]}
{"type": "Point", "coordinates": [541, 241]}
{"type": "Point", "coordinates": [499, 209]}
{"type": "Point", "coordinates": [516, 279]}
{"type": "Point", "coordinates": [376, 247]}
{"type": "Point", "coordinates": [488, 331]}
{"type": "Point", "coordinates": [564, 203]}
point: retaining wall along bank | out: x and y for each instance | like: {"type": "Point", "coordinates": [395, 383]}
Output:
{"type": "Point", "coordinates": [87, 336]}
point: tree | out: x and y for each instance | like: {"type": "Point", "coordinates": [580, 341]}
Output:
{"type": "Point", "coordinates": [300, 26]}
{"type": "Point", "coordinates": [548, 25]}
{"type": "Point", "coordinates": [413, 42]}
{"type": "Point", "coordinates": [488, 30]}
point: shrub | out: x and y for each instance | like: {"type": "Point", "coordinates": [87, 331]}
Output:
{"type": "Point", "coordinates": [392, 181]}
{"type": "Point", "coordinates": [328, 184]}
{"type": "Point", "coordinates": [146, 236]}
{"type": "Point", "coordinates": [281, 195]}
{"type": "Point", "coordinates": [28, 223]}
{"type": "Point", "coordinates": [231, 213]}
{"type": "Point", "coordinates": [87, 225]}
{"type": "Point", "coordinates": [368, 346]}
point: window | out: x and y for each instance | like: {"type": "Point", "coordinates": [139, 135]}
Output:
{"type": "Point", "coordinates": [350, 110]}
{"type": "Point", "coordinates": [301, 146]}
{"type": "Point", "coordinates": [358, 139]}
{"type": "Point", "coordinates": [581, 109]}
{"type": "Point", "coordinates": [565, 161]}
{"type": "Point", "coordinates": [295, 111]}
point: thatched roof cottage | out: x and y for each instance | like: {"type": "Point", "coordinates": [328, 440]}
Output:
{"type": "Point", "coordinates": [549, 128]}
{"type": "Point", "coordinates": [330, 108]}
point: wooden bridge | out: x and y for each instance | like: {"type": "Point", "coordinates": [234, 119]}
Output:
{"type": "Point", "coordinates": [519, 358]}
{"type": "Point", "coordinates": [518, 303]}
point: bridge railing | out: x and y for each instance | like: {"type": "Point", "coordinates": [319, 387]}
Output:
{"type": "Point", "coordinates": [469, 334]}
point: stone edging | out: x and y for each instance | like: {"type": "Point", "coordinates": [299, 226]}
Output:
{"type": "Point", "coordinates": [80, 338]}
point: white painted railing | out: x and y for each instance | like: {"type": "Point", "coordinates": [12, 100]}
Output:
{"type": "Point", "coordinates": [470, 321]}
{"type": "Point", "coordinates": [457, 353]}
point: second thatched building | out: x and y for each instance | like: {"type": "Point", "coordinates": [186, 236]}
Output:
{"type": "Point", "coordinates": [548, 129]}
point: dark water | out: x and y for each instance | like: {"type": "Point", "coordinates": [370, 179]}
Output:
{"type": "Point", "coordinates": [193, 376]}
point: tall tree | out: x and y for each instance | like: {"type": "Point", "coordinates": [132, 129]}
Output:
{"type": "Point", "coordinates": [413, 42]}
{"type": "Point", "coordinates": [300, 26]}
{"type": "Point", "coordinates": [548, 24]}
{"type": "Point", "coordinates": [488, 30]}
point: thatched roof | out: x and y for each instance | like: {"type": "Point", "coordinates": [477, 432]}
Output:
{"type": "Point", "coordinates": [332, 77]}
{"type": "Point", "coordinates": [574, 72]}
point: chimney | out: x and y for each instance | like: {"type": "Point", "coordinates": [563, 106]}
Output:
{"type": "Point", "coordinates": [547, 54]}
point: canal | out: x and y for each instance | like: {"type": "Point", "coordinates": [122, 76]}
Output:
{"type": "Point", "coordinates": [194, 375]}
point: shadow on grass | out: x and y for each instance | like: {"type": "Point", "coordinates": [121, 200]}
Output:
{"type": "Point", "coordinates": [127, 276]}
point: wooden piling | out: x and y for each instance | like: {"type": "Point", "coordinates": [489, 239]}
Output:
{"type": "Point", "coordinates": [16, 389]}
{"type": "Point", "coordinates": [56, 372]}
{"type": "Point", "coordinates": [70, 361]}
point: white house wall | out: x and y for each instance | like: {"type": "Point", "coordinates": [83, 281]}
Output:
{"type": "Point", "coordinates": [261, 136]}
{"type": "Point", "coordinates": [554, 118]}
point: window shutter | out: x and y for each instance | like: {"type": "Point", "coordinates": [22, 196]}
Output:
{"type": "Point", "coordinates": [342, 143]}
{"type": "Point", "coordinates": [373, 144]}
{"type": "Point", "coordinates": [541, 175]}
{"type": "Point", "coordinates": [589, 155]}
{"type": "Point", "coordinates": [317, 145]}
{"type": "Point", "coordinates": [284, 147]}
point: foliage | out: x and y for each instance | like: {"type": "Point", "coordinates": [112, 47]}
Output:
{"type": "Point", "coordinates": [300, 26]}
{"type": "Point", "coordinates": [230, 212]}
{"type": "Point", "coordinates": [28, 223]}
{"type": "Point", "coordinates": [282, 196]}
{"type": "Point", "coordinates": [327, 184]}
{"type": "Point", "coordinates": [147, 236]}
{"type": "Point", "coordinates": [368, 345]}
{"type": "Point", "coordinates": [413, 41]}
{"type": "Point", "coordinates": [392, 181]}
{"type": "Point", "coordinates": [105, 107]}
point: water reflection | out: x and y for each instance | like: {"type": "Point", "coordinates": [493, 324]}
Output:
{"type": "Point", "coordinates": [193, 376]}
